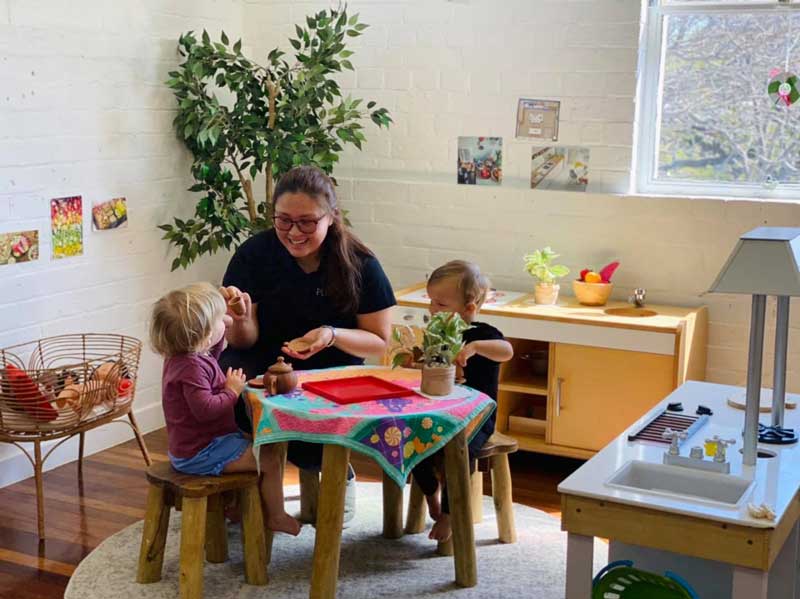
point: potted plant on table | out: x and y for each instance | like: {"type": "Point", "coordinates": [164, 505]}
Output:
{"type": "Point", "coordinates": [540, 265]}
{"type": "Point", "coordinates": [441, 342]}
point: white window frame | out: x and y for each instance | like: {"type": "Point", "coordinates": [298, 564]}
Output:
{"type": "Point", "coordinates": [648, 117]}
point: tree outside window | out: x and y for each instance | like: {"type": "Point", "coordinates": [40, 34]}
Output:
{"type": "Point", "coordinates": [717, 128]}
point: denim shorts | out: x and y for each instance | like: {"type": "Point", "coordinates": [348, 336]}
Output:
{"type": "Point", "coordinates": [211, 460]}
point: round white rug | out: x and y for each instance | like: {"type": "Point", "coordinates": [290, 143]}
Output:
{"type": "Point", "coordinates": [370, 565]}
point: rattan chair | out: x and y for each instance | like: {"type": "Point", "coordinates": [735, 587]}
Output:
{"type": "Point", "coordinates": [59, 387]}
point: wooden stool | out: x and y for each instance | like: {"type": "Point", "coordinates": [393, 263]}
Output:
{"type": "Point", "coordinates": [492, 457]}
{"type": "Point", "coordinates": [203, 525]}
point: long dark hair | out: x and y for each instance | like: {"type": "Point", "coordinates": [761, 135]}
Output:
{"type": "Point", "coordinates": [342, 253]}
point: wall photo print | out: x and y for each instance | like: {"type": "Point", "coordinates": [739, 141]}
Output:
{"type": "Point", "coordinates": [110, 215]}
{"type": "Point", "coordinates": [66, 221]}
{"type": "Point", "coordinates": [480, 160]}
{"type": "Point", "coordinates": [560, 168]}
{"type": "Point", "coordinates": [20, 246]}
{"type": "Point", "coordinates": [538, 119]}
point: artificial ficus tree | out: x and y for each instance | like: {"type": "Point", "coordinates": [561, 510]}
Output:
{"type": "Point", "coordinates": [271, 118]}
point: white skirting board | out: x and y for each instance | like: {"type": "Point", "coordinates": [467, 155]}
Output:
{"type": "Point", "coordinates": [14, 466]}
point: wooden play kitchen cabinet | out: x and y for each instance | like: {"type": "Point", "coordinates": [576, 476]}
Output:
{"type": "Point", "coordinates": [581, 375]}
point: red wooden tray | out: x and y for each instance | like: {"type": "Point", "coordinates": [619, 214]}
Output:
{"type": "Point", "coordinates": [357, 389]}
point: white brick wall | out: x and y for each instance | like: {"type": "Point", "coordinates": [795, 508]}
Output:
{"type": "Point", "coordinates": [469, 62]}
{"type": "Point", "coordinates": [84, 111]}
{"type": "Point", "coordinates": [458, 68]}
{"type": "Point", "coordinates": [672, 247]}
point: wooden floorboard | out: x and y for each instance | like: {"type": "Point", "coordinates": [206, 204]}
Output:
{"type": "Point", "coordinates": [79, 515]}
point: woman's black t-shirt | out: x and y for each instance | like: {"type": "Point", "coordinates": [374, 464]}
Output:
{"type": "Point", "coordinates": [291, 302]}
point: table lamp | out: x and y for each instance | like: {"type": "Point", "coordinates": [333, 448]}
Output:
{"type": "Point", "coordinates": [765, 261]}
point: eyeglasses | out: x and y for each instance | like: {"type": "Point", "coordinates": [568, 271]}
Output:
{"type": "Point", "coordinates": [306, 225]}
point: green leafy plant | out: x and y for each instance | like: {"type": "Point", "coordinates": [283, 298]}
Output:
{"type": "Point", "coordinates": [539, 264]}
{"type": "Point", "coordinates": [442, 340]}
{"type": "Point", "coordinates": [241, 120]}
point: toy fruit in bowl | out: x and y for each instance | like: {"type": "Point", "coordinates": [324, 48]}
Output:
{"type": "Point", "coordinates": [593, 288]}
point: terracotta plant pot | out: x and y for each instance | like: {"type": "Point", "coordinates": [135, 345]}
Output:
{"type": "Point", "coordinates": [592, 294]}
{"type": "Point", "coordinates": [546, 293]}
{"type": "Point", "coordinates": [438, 380]}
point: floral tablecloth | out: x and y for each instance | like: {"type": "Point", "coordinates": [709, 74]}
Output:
{"type": "Point", "coordinates": [397, 433]}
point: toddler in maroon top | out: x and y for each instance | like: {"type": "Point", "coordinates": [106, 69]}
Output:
{"type": "Point", "coordinates": [188, 328]}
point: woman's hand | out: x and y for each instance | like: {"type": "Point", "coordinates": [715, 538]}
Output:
{"type": "Point", "coordinates": [238, 302]}
{"type": "Point", "coordinates": [314, 341]}
{"type": "Point", "coordinates": [243, 330]}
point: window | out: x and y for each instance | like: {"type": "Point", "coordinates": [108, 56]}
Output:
{"type": "Point", "coordinates": [717, 113]}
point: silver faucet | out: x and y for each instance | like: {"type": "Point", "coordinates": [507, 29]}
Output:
{"type": "Point", "coordinates": [674, 437]}
{"type": "Point", "coordinates": [722, 445]}
{"type": "Point", "coordinates": [637, 299]}
{"type": "Point", "coordinates": [695, 459]}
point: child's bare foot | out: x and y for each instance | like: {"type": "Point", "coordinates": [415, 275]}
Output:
{"type": "Point", "coordinates": [434, 505]}
{"type": "Point", "coordinates": [284, 523]}
{"type": "Point", "coordinates": [441, 530]}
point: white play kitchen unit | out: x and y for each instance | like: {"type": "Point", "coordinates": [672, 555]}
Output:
{"type": "Point", "coordinates": [721, 508]}
{"type": "Point", "coordinates": [581, 375]}
{"type": "Point", "coordinates": [686, 520]}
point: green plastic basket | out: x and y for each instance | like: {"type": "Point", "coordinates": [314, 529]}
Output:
{"type": "Point", "coordinates": [620, 580]}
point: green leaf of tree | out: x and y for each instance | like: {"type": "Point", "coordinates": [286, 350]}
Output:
{"type": "Point", "coordinates": [238, 141]}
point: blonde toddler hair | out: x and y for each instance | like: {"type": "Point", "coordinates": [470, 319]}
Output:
{"type": "Point", "coordinates": [182, 320]}
{"type": "Point", "coordinates": [472, 283]}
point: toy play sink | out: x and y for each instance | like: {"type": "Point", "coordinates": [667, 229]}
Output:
{"type": "Point", "coordinates": [680, 482]}
{"type": "Point", "coordinates": [634, 312]}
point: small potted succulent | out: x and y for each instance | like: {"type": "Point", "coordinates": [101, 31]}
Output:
{"type": "Point", "coordinates": [441, 343]}
{"type": "Point", "coordinates": [540, 265]}
{"type": "Point", "coordinates": [594, 288]}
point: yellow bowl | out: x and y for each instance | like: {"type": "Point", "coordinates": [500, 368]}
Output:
{"type": "Point", "coordinates": [592, 294]}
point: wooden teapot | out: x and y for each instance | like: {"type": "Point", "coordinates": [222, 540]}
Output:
{"type": "Point", "coordinates": [280, 378]}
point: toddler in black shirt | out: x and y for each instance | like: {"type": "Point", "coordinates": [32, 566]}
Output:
{"type": "Point", "coordinates": [459, 286]}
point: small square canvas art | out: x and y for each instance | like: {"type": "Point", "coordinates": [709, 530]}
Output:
{"type": "Point", "coordinates": [480, 160]}
{"type": "Point", "coordinates": [560, 168]}
{"type": "Point", "coordinates": [19, 246]}
{"type": "Point", "coordinates": [538, 119]}
{"type": "Point", "coordinates": [66, 220]}
{"type": "Point", "coordinates": [110, 215]}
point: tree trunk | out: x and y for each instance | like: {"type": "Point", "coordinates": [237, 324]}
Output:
{"type": "Point", "coordinates": [247, 186]}
{"type": "Point", "coordinates": [272, 90]}
{"type": "Point", "coordinates": [268, 200]}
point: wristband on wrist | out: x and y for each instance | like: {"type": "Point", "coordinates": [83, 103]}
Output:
{"type": "Point", "coordinates": [333, 334]}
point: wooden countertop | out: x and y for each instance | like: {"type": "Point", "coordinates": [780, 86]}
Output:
{"type": "Point", "coordinates": [669, 319]}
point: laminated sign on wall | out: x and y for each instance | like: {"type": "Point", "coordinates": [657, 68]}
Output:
{"type": "Point", "coordinates": [538, 119]}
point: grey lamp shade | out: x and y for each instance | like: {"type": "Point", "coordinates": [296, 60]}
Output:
{"type": "Point", "coordinates": [765, 261]}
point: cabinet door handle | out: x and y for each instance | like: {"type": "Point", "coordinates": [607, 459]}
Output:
{"type": "Point", "coordinates": [408, 317]}
{"type": "Point", "coordinates": [559, 381]}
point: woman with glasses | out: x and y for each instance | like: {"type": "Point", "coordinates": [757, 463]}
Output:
{"type": "Point", "coordinates": [309, 281]}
